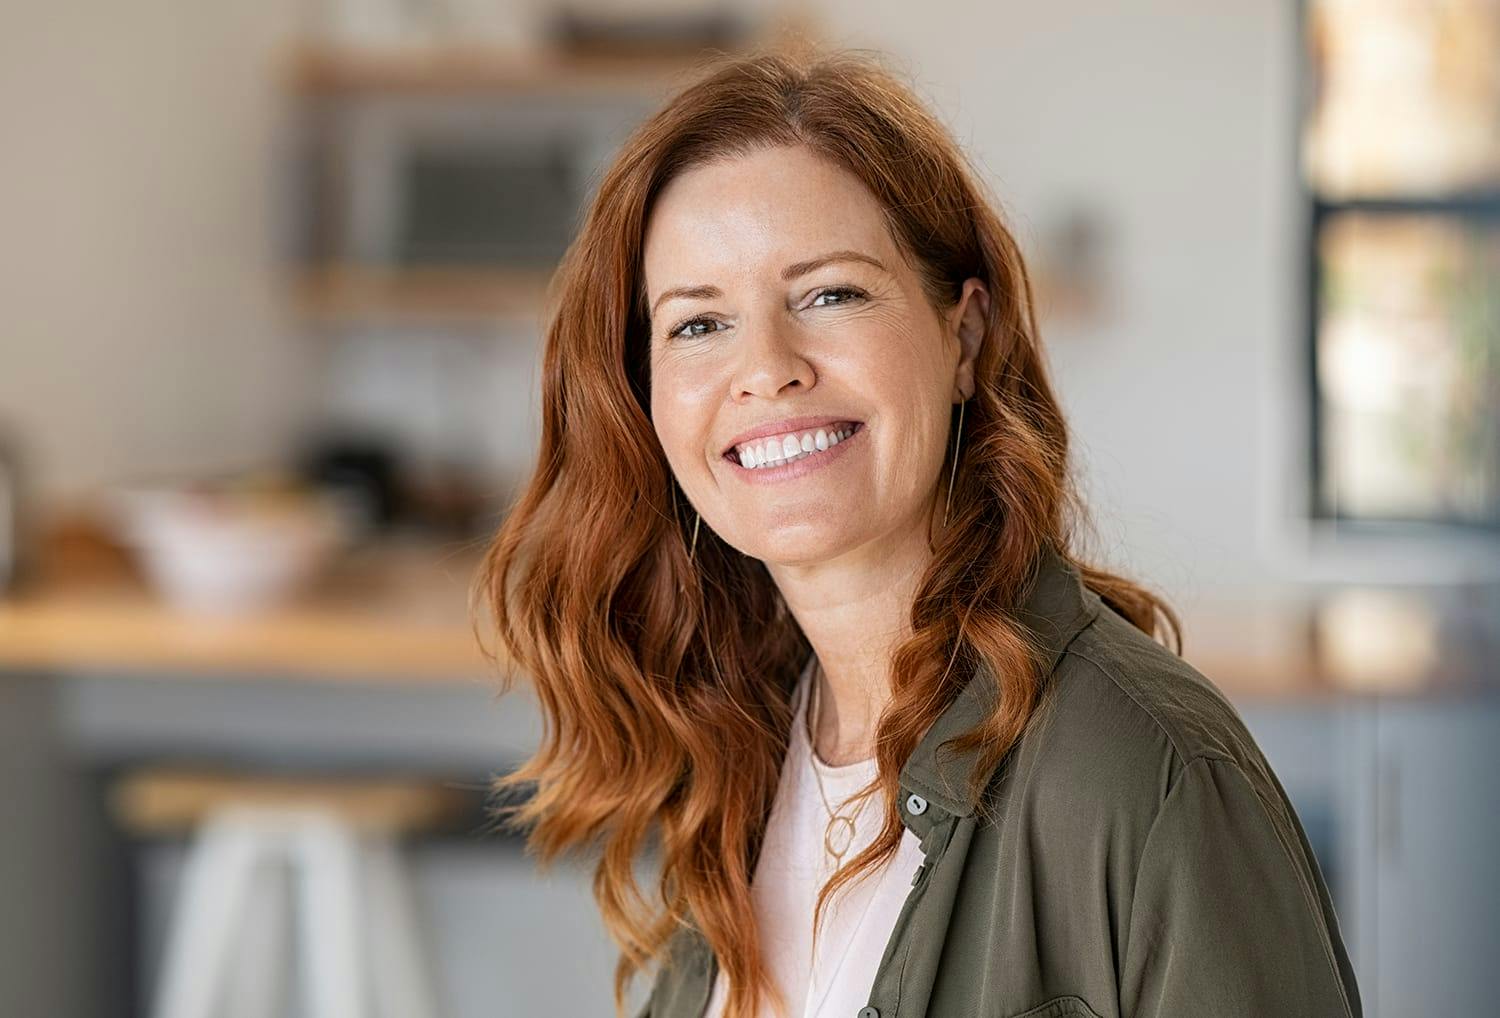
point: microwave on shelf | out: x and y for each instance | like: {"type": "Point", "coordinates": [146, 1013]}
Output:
{"type": "Point", "coordinates": [458, 182]}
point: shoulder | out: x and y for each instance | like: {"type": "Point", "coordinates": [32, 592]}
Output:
{"type": "Point", "coordinates": [1138, 800]}
{"type": "Point", "coordinates": [1113, 665]}
{"type": "Point", "coordinates": [1122, 720]}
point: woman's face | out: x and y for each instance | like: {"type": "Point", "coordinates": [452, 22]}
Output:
{"type": "Point", "coordinates": [781, 310]}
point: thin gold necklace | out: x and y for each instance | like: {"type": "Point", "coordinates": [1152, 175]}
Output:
{"type": "Point", "coordinates": [840, 827]}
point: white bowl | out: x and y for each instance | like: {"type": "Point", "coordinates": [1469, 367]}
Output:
{"type": "Point", "coordinates": [220, 553]}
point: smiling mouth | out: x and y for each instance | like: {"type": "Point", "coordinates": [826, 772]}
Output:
{"type": "Point", "coordinates": [775, 452]}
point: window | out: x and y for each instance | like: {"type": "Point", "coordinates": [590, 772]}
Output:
{"type": "Point", "coordinates": [1400, 157]}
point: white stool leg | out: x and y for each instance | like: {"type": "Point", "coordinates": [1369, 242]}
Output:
{"type": "Point", "coordinates": [329, 855]}
{"type": "Point", "coordinates": [258, 979]}
{"type": "Point", "coordinates": [399, 971]}
{"type": "Point", "coordinates": [215, 884]}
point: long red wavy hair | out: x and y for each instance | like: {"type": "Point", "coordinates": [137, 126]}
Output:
{"type": "Point", "coordinates": [666, 685]}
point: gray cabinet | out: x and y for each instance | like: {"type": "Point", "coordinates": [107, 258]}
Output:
{"type": "Point", "coordinates": [1401, 800]}
{"type": "Point", "coordinates": [1433, 860]}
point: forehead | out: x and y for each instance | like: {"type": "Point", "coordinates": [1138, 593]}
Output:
{"type": "Point", "coordinates": [758, 212]}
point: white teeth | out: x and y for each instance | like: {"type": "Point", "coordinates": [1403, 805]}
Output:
{"type": "Point", "coordinates": [790, 448]}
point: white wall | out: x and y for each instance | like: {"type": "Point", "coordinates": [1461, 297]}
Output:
{"type": "Point", "coordinates": [140, 328]}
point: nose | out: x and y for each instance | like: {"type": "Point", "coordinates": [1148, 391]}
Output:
{"type": "Point", "coordinates": [770, 359]}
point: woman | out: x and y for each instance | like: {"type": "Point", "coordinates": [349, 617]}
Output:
{"type": "Point", "coordinates": [794, 582]}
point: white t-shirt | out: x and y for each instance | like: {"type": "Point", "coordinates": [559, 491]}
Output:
{"type": "Point", "coordinates": [794, 865]}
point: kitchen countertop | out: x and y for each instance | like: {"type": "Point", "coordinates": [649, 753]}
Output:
{"type": "Point", "coordinates": [391, 610]}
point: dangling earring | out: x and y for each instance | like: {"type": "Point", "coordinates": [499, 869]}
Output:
{"type": "Point", "coordinates": [697, 519]}
{"type": "Point", "coordinates": [957, 443]}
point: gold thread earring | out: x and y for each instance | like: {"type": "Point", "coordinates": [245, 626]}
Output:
{"type": "Point", "coordinates": [957, 444]}
{"type": "Point", "coordinates": [697, 519]}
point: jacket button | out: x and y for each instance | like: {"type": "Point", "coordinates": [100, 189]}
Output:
{"type": "Point", "coordinates": [915, 805]}
{"type": "Point", "coordinates": [868, 1012]}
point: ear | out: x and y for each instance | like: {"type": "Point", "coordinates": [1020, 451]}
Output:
{"type": "Point", "coordinates": [968, 321]}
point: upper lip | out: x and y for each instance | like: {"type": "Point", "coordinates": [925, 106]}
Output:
{"type": "Point", "coordinates": [784, 425]}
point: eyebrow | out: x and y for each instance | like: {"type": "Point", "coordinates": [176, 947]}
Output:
{"type": "Point", "coordinates": [704, 291]}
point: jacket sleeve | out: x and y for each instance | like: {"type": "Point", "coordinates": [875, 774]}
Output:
{"type": "Point", "coordinates": [1228, 916]}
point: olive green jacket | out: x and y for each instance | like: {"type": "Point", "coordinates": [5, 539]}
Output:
{"type": "Point", "coordinates": [1146, 861]}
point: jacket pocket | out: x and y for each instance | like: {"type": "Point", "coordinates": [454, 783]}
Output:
{"type": "Point", "coordinates": [1059, 1007]}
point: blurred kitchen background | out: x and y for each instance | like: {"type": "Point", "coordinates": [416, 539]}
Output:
{"type": "Point", "coordinates": [271, 282]}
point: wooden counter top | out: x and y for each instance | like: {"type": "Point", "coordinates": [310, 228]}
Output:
{"type": "Point", "coordinates": [390, 611]}
{"type": "Point", "coordinates": [1353, 642]}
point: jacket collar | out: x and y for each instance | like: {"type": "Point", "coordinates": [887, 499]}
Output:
{"type": "Point", "coordinates": [1054, 608]}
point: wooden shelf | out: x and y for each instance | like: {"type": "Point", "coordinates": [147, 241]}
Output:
{"type": "Point", "coordinates": [455, 68]}
{"type": "Point", "coordinates": [344, 293]}
{"type": "Point", "coordinates": [578, 66]}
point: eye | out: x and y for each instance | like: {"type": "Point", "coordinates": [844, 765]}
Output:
{"type": "Point", "coordinates": [844, 291]}
{"type": "Point", "coordinates": [847, 293]}
{"type": "Point", "coordinates": [678, 330]}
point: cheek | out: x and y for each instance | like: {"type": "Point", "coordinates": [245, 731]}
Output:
{"type": "Point", "coordinates": [669, 431]}
{"type": "Point", "coordinates": [921, 446]}
{"type": "Point", "coordinates": [682, 415]}
{"type": "Point", "coordinates": [919, 442]}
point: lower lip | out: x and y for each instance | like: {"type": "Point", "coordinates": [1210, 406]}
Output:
{"type": "Point", "coordinates": [788, 471]}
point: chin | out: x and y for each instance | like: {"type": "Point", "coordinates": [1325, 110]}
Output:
{"type": "Point", "coordinates": [803, 550]}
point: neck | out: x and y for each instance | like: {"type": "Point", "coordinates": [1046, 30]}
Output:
{"type": "Point", "coordinates": [854, 610]}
